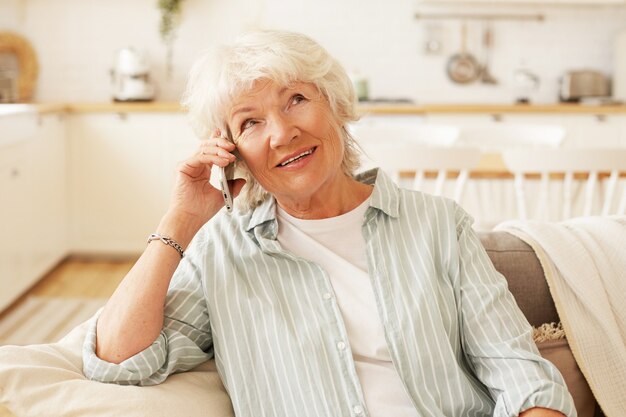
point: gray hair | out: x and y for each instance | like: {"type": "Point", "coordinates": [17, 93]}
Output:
{"type": "Point", "coordinates": [225, 72]}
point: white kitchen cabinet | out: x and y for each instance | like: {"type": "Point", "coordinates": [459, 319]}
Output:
{"type": "Point", "coordinates": [179, 143]}
{"type": "Point", "coordinates": [33, 189]}
{"type": "Point", "coordinates": [122, 173]}
{"type": "Point", "coordinates": [12, 199]}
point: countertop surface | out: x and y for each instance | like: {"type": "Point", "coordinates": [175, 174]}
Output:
{"type": "Point", "coordinates": [363, 108]}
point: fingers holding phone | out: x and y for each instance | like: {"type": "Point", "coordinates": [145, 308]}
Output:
{"type": "Point", "coordinates": [217, 151]}
{"type": "Point", "coordinates": [193, 196]}
{"type": "Point", "coordinates": [226, 182]}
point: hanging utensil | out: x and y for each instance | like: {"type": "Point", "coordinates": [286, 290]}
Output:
{"type": "Point", "coordinates": [485, 76]}
{"type": "Point", "coordinates": [462, 67]}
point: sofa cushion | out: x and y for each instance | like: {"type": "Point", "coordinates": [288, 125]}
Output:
{"type": "Point", "coordinates": [47, 380]}
{"type": "Point", "coordinates": [517, 261]}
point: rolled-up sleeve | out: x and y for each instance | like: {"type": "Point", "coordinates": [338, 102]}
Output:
{"type": "Point", "coordinates": [497, 338]}
{"type": "Point", "coordinates": [184, 342]}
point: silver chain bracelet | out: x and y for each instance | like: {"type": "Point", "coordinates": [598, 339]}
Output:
{"type": "Point", "coordinates": [168, 241]}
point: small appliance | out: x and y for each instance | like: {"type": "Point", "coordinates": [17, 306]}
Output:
{"type": "Point", "coordinates": [131, 77]}
{"type": "Point", "coordinates": [583, 84]}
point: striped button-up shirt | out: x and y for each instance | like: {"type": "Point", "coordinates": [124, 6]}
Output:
{"type": "Point", "coordinates": [455, 335]}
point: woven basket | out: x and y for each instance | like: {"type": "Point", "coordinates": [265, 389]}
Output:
{"type": "Point", "coordinates": [17, 45]}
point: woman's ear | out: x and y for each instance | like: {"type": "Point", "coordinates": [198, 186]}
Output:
{"type": "Point", "coordinates": [236, 186]}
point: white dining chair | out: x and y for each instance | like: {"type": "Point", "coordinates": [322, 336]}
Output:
{"type": "Point", "coordinates": [366, 132]}
{"type": "Point", "coordinates": [568, 164]}
{"type": "Point", "coordinates": [370, 133]}
{"type": "Point", "coordinates": [417, 160]}
{"type": "Point", "coordinates": [494, 198]}
{"type": "Point", "coordinates": [503, 136]}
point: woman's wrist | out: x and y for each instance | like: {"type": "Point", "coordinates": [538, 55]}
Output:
{"type": "Point", "coordinates": [179, 227]}
{"type": "Point", "coordinates": [541, 412]}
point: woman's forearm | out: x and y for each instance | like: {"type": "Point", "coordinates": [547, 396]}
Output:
{"type": "Point", "coordinates": [133, 317]}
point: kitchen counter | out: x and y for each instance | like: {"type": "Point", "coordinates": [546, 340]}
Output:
{"type": "Point", "coordinates": [41, 108]}
{"type": "Point", "coordinates": [363, 108]}
{"type": "Point", "coordinates": [490, 108]}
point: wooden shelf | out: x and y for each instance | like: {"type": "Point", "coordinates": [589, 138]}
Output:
{"type": "Point", "coordinates": [363, 108]}
{"type": "Point", "coordinates": [489, 108]}
{"type": "Point", "coordinates": [126, 107]}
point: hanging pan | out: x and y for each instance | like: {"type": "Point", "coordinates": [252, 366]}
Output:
{"type": "Point", "coordinates": [463, 67]}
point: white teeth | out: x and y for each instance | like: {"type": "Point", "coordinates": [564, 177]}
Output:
{"type": "Point", "coordinates": [310, 151]}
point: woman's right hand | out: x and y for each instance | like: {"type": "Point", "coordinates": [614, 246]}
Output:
{"type": "Point", "coordinates": [194, 199]}
{"type": "Point", "coordinates": [133, 316]}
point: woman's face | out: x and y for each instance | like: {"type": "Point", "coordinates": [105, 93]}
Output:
{"type": "Point", "coordinates": [289, 139]}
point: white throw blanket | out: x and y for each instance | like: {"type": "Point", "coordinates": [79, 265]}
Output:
{"type": "Point", "coordinates": [584, 261]}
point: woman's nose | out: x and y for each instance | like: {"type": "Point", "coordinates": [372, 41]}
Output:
{"type": "Point", "coordinates": [282, 131]}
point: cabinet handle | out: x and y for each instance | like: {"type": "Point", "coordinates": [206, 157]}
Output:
{"type": "Point", "coordinates": [15, 173]}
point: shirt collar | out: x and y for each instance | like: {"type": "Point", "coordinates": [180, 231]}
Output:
{"type": "Point", "coordinates": [386, 194]}
{"type": "Point", "coordinates": [264, 212]}
{"type": "Point", "coordinates": [385, 198]}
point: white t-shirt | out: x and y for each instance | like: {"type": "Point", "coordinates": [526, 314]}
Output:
{"type": "Point", "coordinates": [337, 245]}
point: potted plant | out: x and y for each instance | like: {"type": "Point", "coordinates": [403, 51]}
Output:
{"type": "Point", "coordinates": [170, 15]}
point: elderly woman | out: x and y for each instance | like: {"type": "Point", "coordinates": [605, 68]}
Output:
{"type": "Point", "coordinates": [324, 293]}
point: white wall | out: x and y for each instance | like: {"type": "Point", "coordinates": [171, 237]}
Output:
{"type": "Point", "coordinates": [76, 42]}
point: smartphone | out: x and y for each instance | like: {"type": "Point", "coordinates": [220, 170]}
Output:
{"type": "Point", "coordinates": [227, 173]}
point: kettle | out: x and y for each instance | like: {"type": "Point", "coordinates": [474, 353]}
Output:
{"type": "Point", "coordinates": [131, 77]}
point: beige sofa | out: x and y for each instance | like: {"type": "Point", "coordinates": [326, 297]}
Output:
{"type": "Point", "coordinates": [46, 380]}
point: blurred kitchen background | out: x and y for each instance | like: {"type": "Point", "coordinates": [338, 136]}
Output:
{"type": "Point", "coordinates": [515, 108]}
{"type": "Point", "coordinates": [400, 55]}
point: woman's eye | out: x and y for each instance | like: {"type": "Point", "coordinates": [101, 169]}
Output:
{"type": "Point", "coordinates": [297, 98]}
{"type": "Point", "coordinates": [248, 123]}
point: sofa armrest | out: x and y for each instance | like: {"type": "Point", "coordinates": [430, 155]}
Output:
{"type": "Point", "coordinates": [517, 261]}
{"type": "Point", "coordinates": [47, 380]}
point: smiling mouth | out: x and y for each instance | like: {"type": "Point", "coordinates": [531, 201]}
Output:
{"type": "Point", "coordinates": [297, 157]}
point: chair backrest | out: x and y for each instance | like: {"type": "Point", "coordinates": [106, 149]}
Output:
{"type": "Point", "coordinates": [417, 160]}
{"type": "Point", "coordinates": [569, 162]}
{"type": "Point", "coordinates": [424, 134]}
{"type": "Point", "coordinates": [512, 136]}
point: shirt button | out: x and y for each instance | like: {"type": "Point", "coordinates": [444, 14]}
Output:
{"type": "Point", "coordinates": [341, 345]}
{"type": "Point", "coordinates": [358, 410]}
{"type": "Point", "coordinates": [327, 296]}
